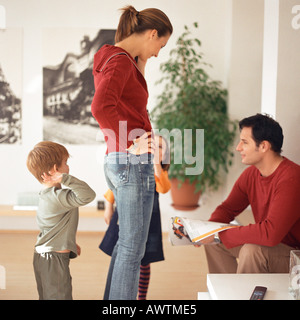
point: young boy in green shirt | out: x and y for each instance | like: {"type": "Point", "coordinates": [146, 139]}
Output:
{"type": "Point", "coordinates": [57, 218]}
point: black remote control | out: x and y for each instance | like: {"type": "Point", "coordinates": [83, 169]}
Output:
{"type": "Point", "coordinates": [258, 293]}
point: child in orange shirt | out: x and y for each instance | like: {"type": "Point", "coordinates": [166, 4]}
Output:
{"type": "Point", "coordinates": [154, 249]}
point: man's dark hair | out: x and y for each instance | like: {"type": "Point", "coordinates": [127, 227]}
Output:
{"type": "Point", "coordinates": [264, 128]}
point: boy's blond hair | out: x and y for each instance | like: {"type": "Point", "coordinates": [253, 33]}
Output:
{"type": "Point", "coordinates": [44, 156]}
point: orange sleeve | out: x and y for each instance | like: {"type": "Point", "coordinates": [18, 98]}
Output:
{"type": "Point", "coordinates": [163, 184]}
{"type": "Point", "coordinates": [109, 196]}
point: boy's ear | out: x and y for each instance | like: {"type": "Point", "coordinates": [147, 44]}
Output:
{"type": "Point", "coordinates": [53, 170]}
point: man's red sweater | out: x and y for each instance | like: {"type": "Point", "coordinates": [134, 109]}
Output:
{"type": "Point", "coordinates": [120, 100]}
{"type": "Point", "coordinates": [275, 203]}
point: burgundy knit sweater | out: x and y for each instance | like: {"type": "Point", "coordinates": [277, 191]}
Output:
{"type": "Point", "coordinates": [120, 100]}
{"type": "Point", "coordinates": [275, 203]}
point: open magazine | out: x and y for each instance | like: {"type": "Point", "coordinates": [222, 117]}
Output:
{"type": "Point", "coordinates": [187, 231]}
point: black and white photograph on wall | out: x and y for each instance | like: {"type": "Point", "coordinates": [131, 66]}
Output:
{"type": "Point", "coordinates": [68, 85]}
{"type": "Point", "coordinates": [11, 86]}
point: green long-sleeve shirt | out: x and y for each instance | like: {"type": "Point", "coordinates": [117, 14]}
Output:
{"type": "Point", "coordinates": [57, 215]}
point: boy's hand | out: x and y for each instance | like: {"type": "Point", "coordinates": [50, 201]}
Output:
{"type": "Point", "coordinates": [78, 249]}
{"type": "Point", "coordinates": [54, 177]}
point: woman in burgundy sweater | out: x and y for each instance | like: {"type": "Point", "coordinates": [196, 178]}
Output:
{"type": "Point", "coordinates": [120, 107]}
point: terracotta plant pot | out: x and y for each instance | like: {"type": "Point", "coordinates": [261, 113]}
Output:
{"type": "Point", "coordinates": [184, 197]}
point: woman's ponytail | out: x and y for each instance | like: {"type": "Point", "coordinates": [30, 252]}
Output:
{"type": "Point", "coordinates": [133, 21]}
{"type": "Point", "coordinates": [127, 24]}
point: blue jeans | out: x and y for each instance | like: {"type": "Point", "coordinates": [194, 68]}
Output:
{"type": "Point", "coordinates": [131, 178]}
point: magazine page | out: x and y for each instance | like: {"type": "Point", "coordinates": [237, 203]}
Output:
{"type": "Point", "coordinates": [199, 229]}
{"type": "Point", "coordinates": [177, 233]}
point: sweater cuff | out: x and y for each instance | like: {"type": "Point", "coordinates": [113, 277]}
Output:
{"type": "Point", "coordinates": [65, 178]}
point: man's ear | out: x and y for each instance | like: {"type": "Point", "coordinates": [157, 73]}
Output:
{"type": "Point", "coordinates": [265, 146]}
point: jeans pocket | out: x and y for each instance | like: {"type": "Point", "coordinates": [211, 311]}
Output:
{"type": "Point", "coordinates": [117, 170]}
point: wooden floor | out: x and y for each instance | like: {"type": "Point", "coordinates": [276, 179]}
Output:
{"type": "Point", "coordinates": [179, 277]}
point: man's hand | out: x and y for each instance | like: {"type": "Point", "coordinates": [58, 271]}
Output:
{"type": "Point", "coordinates": [207, 241]}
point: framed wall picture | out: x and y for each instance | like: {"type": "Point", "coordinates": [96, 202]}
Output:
{"type": "Point", "coordinates": [68, 85]}
{"type": "Point", "coordinates": [11, 59]}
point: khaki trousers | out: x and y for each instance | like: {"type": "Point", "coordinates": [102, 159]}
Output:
{"type": "Point", "coordinates": [52, 274]}
{"type": "Point", "coordinates": [248, 258]}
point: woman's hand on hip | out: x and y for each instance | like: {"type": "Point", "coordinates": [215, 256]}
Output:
{"type": "Point", "coordinates": [143, 144]}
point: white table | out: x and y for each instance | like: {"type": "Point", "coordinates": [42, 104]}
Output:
{"type": "Point", "coordinates": [241, 286]}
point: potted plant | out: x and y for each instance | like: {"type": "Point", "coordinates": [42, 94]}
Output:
{"type": "Point", "coordinates": [192, 100]}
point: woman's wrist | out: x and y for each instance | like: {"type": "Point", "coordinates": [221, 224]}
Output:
{"type": "Point", "coordinates": [143, 144]}
{"type": "Point", "coordinates": [133, 148]}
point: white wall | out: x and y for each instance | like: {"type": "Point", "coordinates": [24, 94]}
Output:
{"type": "Point", "coordinates": [245, 75]}
{"type": "Point", "coordinates": [213, 16]}
{"type": "Point", "coordinates": [245, 72]}
{"type": "Point", "coordinates": [288, 79]}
